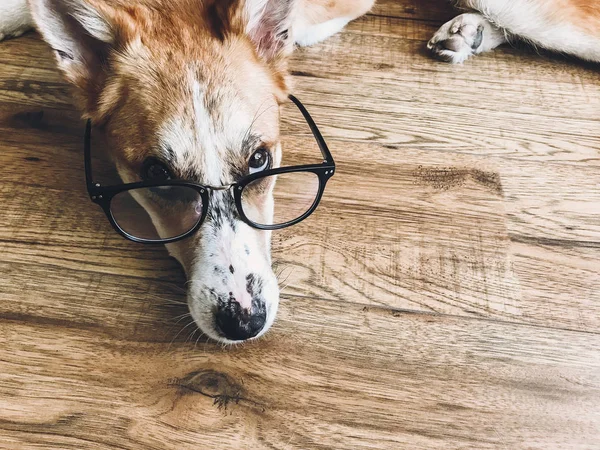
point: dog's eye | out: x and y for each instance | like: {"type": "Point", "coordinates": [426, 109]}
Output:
{"type": "Point", "coordinates": [259, 161]}
{"type": "Point", "coordinates": [154, 170]}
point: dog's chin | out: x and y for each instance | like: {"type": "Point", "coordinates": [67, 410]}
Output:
{"type": "Point", "coordinates": [216, 336]}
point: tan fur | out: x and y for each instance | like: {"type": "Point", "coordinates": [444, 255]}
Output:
{"type": "Point", "coordinates": [158, 43]}
{"type": "Point", "coordinates": [583, 14]}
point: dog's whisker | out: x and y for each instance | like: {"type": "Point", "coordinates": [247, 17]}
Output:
{"type": "Point", "coordinates": [200, 336]}
{"type": "Point", "coordinates": [164, 300]}
{"type": "Point", "coordinates": [284, 283]}
{"type": "Point", "coordinates": [174, 286]}
{"type": "Point", "coordinates": [191, 336]}
{"type": "Point", "coordinates": [174, 303]}
{"type": "Point", "coordinates": [184, 316]}
{"type": "Point", "coordinates": [181, 315]}
{"type": "Point", "coordinates": [257, 115]}
{"type": "Point", "coordinates": [191, 280]}
{"type": "Point", "coordinates": [173, 340]}
{"type": "Point", "coordinates": [278, 272]}
{"type": "Point", "coordinates": [206, 342]}
{"type": "Point", "coordinates": [281, 273]}
{"type": "Point", "coordinates": [283, 288]}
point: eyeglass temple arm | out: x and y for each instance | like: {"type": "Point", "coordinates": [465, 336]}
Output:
{"type": "Point", "coordinates": [315, 131]}
{"type": "Point", "coordinates": [87, 155]}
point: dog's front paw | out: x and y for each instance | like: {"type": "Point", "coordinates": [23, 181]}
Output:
{"type": "Point", "coordinates": [15, 18]}
{"type": "Point", "coordinates": [13, 33]}
{"type": "Point", "coordinates": [463, 36]}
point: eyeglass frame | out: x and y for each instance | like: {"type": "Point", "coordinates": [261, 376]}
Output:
{"type": "Point", "coordinates": [103, 195]}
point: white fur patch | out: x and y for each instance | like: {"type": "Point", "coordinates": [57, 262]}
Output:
{"type": "Point", "coordinates": [91, 21]}
{"type": "Point", "coordinates": [14, 18]}
{"type": "Point", "coordinates": [317, 33]}
{"type": "Point", "coordinates": [207, 139]}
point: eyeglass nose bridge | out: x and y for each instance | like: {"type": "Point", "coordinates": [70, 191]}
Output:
{"type": "Point", "coordinates": [225, 187]}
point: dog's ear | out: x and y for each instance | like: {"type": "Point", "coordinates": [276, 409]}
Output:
{"type": "Point", "coordinates": [269, 25]}
{"type": "Point", "coordinates": [81, 35]}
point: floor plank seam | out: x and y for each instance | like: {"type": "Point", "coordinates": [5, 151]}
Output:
{"type": "Point", "coordinates": [442, 315]}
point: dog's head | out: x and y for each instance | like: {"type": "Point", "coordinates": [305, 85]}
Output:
{"type": "Point", "coordinates": [188, 89]}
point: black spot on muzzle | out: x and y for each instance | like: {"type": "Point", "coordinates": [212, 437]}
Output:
{"type": "Point", "coordinates": [254, 285]}
{"type": "Point", "coordinates": [223, 211]}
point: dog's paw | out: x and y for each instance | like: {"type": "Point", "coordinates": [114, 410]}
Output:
{"type": "Point", "coordinates": [463, 36]}
{"type": "Point", "coordinates": [15, 18]}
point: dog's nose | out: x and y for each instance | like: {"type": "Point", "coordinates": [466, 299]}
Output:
{"type": "Point", "coordinates": [239, 324]}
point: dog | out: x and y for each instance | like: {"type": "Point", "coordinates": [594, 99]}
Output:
{"type": "Point", "coordinates": [177, 84]}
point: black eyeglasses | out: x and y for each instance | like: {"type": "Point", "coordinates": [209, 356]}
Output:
{"type": "Point", "coordinates": [171, 210]}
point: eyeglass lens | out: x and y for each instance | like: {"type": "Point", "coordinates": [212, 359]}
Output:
{"type": "Point", "coordinates": [279, 199]}
{"type": "Point", "coordinates": [157, 213]}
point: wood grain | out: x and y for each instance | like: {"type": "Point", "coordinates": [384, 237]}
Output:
{"type": "Point", "coordinates": [505, 103]}
{"type": "Point", "coordinates": [454, 233]}
{"type": "Point", "coordinates": [427, 10]}
{"type": "Point", "coordinates": [423, 382]}
{"type": "Point", "coordinates": [446, 293]}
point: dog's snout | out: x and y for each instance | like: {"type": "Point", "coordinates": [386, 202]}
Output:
{"type": "Point", "coordinates": [238, 323]}
{"type": "Point", "coordinates": [234, 294]}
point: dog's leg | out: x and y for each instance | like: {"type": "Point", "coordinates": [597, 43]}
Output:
{"type": "Point", "coordinates": [567, 26]}
{"type": "Point", "coordinates": [15, 18]}
{"type": "Point", "coordinates": [316, 20]}
{"type": "Point", "coordinates": [314, 34]}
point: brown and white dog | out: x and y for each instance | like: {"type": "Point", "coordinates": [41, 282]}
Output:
{"type": "Point", "coordinates": [183, 82]}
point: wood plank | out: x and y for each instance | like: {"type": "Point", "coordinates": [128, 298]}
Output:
{"type": "Point", "coordinates": [509, 102]}
{"type": "Point", "coordinates": [454, 233]}
{"type": "Point", "coordinates": [352, 378]}
{"type": "Point", "coordinates": [515, 98]}
{"type": "Point", "coordinates": [466, 194]}
{"type": "Point", "coordinates": [505, 103]}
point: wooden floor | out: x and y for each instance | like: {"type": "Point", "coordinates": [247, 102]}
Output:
{"type": "Point", "coordinates": [445, 295]}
